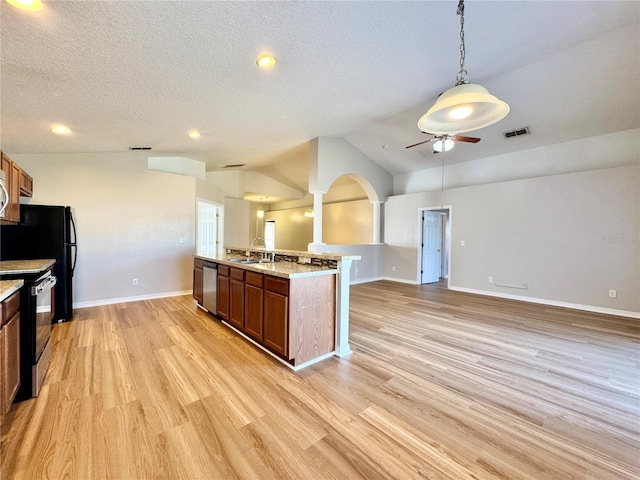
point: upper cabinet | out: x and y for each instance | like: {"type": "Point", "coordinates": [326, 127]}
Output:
{"type": "Point", "coordinates": [19, 183]}
{"type": "Point", "coordinates": [26, 184]}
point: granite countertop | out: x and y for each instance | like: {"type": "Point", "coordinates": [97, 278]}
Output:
{"type": "Point", "coordinates": [277, 269]}
{"type": "Point", "coordinates": [15, 267]}
{"type": "Point", "coordinates": [298, 253]}
{"type": "Point", "coordinates": [7, 287]}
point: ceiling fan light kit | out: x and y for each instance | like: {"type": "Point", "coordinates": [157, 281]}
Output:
{"type": "Point", "coordinates": [443, 144]}
{"type": "Point", "coordinates": [464, 107]}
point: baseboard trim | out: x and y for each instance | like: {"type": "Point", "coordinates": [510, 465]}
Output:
{"type": "Point", "coordinates": [400, 280]}
{"type": "Point", "coordinates": [365, 280]}
{"type": "Point", "coordinates": [551, 303]}
{"type": "Point", "coordinates": [137, 298]}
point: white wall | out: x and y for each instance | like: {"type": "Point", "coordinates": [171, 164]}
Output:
{"type": "Point", "coordinates": [129, 222]}
{"type": "Point", "coordinates": [294, 231]}
{"type": "Point", "coordinates": [592, 153]}
{"type": "Point", "coordinates": [332, 157]}
{"type": "Point", "coordinates": [347, 223]}
{"type": "Point", "coordinates": [571, 238]}
{"type": "Point", "coordinates": [239, 224]}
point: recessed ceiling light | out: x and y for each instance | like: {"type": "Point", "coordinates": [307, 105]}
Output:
{"type": "Point", "coordinates": [385, 147]}
{"type": "Point", "coordinates": [61, 130]}
{"type": "Point", "coordinates": [266, 61]}
{"type": "Point", "coordinates": [194, 134]}
{"type": "Point", "coordinates": [26, 4]}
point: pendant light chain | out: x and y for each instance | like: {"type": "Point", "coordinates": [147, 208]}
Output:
{"type": "Point", "coordinates": [462, 74]}
{"type": "Point", "coordinates": [465, 107]}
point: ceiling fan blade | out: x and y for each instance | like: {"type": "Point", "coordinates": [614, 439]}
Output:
{"type": "Point", "coordinates": [461, 138]}
{"type": "Point", "coordinates": [435, 152]}
{"type": "Point", "coordinates": [416, 144]}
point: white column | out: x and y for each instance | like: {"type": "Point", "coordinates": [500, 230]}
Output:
{"type": "Point", "coordinates": [317, 218]}
{"type": "Point", "coordinates": [376, 223]}
{"type": "Point", "coordinates": [342, 307]}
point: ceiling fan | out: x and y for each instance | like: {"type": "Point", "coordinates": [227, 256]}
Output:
{"type": "Point", "coordinates": [444, 143]}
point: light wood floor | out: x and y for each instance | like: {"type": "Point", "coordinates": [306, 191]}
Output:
{"type": "Point", "coordinates": [441, 385]}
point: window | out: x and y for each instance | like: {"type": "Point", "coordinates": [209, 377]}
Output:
{"type": "Point", "coordinates": [270, 234]}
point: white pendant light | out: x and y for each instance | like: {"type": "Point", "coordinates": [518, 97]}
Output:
{"type": "Point", "coordinates": [464, 107]}
{"type": "Point", "coordinates": [26, 4]}
{"type": "Point", "coordinates": [260, 211]}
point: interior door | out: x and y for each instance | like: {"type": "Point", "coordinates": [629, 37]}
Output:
{"type": "Point", "coordinates": [431, 247]}
{"type": "Point", "coordinates": [208, 214]}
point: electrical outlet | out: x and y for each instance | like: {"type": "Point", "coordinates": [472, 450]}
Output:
{"type": "Point", "coordinates": [462, 243]}
{"type": "Point", "coordinates": [181, 239]}
{"type": "Point", "coordinates": [490, 279]}
{"type": "Point", "coordinates": [613, 293]}
{"type": "Point", "coordinates": [134, 282]}
{"type": "Point", "coordinates": [393, 269]}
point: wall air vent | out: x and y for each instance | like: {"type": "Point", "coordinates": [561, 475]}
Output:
{"type": "Point", "coordinates": [517, 132]}
{"type": "Point", "coordinates": [235, 165]}
{"type": "Point", "coordinates": [139, 148]}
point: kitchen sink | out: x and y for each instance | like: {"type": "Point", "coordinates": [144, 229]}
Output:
{"type": "Point", "coordinates": [244, 261]}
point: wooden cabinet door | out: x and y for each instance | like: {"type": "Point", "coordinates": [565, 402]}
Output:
{"type": "Point", "coordinates": [223, 297]}
{"type": "Point", "coordinates": [14, 193]}
{"type": "Point", "coordinates": [10, 361]}
{"type": "Point", "coordinates": [253, 298]}
{"type": "Point", "coordinates": [276, 323]}
{"type": "Point", "coordinates": [26, 184]}
{"type": "Point", "coordinates": [12, 174]}
{"type": "Point", "coordinates": [236, 304]}
{"type": "Point", "coordinates": [3, 372]}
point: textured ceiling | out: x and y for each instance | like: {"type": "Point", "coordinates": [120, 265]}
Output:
{"type": "Point", "coordinates": [122, 73]}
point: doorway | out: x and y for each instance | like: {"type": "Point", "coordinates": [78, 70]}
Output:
{"type": "Point", "coordinates": [435, 245]}
{"type": "Point", "coordinates": [209, 228]}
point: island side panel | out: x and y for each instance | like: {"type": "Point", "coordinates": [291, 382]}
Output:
{"type": "Point", "coordinates": [312, 323]}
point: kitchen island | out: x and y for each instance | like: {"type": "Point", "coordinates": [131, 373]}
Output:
{"type": "Point", "coordinates": [291, 304]}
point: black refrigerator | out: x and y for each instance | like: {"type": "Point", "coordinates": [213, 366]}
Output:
{"type": "Point", "coordinates": [46, 231]}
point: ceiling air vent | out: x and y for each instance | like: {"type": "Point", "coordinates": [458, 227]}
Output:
{"type": "Point", "coordinates": [139, 148]}
{"type": "Point", "coordinates": [517, 132]}
{"type": "Point", "coordinates": [235, 165]}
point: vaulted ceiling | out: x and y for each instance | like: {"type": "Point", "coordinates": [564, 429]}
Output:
{"type": "Point", "coordinates": [144, 73]}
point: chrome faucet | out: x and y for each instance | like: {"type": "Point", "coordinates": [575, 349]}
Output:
{"type": "Point", "coordinates": [268, 257]}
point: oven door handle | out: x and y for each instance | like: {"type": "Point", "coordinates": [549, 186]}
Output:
{"type": "Point", "coordinates": [46, 285]}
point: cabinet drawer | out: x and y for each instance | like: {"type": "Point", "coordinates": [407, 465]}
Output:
{"type": "Point", "coordinates": [198, 263]}
{"type": "Point", "coordinates": [223, 270]}
{"type": "Point", "coordinates": [237, 274]}
{"type": "Point", "coordinates": [254, 279]}
{"type": "Point", "coordinates": [10, 306]}
{"type": "Point", "coordinates": [276, 285]}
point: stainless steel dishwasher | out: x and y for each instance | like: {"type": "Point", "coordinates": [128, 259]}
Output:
{"type": "Point", "coordinates": [209, 286]}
